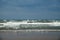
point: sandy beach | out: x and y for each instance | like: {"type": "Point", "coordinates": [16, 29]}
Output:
{"type": "Point", "coordinates": [29, 35]}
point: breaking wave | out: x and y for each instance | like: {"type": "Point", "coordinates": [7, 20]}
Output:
{"type": "Point", "coordinates": [29, 24]}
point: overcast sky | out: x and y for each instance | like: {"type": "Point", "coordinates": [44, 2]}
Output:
{"type": "Point", "coordinates": [29, 9]}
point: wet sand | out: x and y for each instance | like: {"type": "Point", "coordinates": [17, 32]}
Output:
{"type": "Point", "coordinates": [33, 35]}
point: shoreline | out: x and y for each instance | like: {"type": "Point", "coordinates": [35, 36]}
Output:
{"type": "Point", "coordinates": [33, 30]}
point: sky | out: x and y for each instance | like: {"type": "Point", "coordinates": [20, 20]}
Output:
{"type": "Point", "coordinates": [29, 9]}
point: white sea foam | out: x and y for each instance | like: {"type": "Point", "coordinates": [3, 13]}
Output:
{"type": "Point", "coordinates": [15, 24]}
